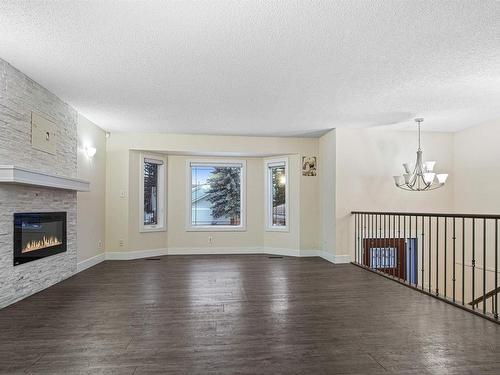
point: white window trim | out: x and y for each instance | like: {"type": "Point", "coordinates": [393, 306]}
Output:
{"type": "Point", "coordinates": [268, 194]}
{"type": "Point", "coordinates": [219, 163]}
{"type": "Point", "coordinates": [162, 194]}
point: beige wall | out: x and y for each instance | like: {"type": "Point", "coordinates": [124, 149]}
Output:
{"type": "Point", "coordinates": [309, 206]}
{"type": "Point", "coordinates": [204, 144]}
{"type": "Point", "coordinates": [355, 173]}
{"type": "Point", "coordinates": [136, 239]}
{"type": "Point", "coordinates": [91, 205]}
{"type": "Point", "coordinates": [327, 176]}
{"type": "Point", "coordinates": [366, 160]}
{"type": "Point", "coordinates": [117, 203]}
{"type": "Point", "coordinates": [477, 173]}
{"type": "Point", "coordinates": [122, 226]}
{"type": "Point", "coordinates": [477, 185]}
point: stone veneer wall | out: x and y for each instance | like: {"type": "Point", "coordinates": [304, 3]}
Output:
{"type": "Point", "coordinates": [19, 96]}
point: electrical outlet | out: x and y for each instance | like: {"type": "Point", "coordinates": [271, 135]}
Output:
{"type": "Point", "coordinates": [99, 245]}
{"type": "Point", "coordinates": [210, 239]}
{"type": "Point", "coordinates": [123, 194]}
{"type": "Point", "coordinates": [121, 243]}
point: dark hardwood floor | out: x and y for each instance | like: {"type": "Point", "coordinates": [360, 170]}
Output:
{"type": "Point", "coordinates": [240, 314]}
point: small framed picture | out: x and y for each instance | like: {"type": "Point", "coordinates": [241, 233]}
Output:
{"type": "Point", "coordinates": [309, 165]}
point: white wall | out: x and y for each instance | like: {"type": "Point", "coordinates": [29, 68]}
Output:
{"type": "Point", "coordinates": [361, 163]}
{"type": "Point", "coordinates": [366, 160]}
{"type": "Point", "coordinates": [138, 240]}
{"type": "Point", "coordinates": [477, 169]}
{"type": "Point", "coordinates": [91, 205]}
{"type": "Point", "coordinates": [327, 188]}
{"type": "Point", "coordinates": [309, 206]}
{"type": "Point", "coordinates": [123, 179]}
{"type": "Point", "coordinates": [355, 173]}
{"type": "Point", "coordinates": [477, 187]}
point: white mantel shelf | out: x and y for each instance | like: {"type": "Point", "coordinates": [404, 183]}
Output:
{"type": "Point", "coordinates": [10, 174]}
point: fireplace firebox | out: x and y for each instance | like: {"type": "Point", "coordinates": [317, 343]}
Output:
{"type": "Point", "coordinates": [38, 235]}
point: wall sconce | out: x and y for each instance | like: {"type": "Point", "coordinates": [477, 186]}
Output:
{"type": "Point", "coordinates": [90, 151]}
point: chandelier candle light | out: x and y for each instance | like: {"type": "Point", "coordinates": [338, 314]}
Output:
{"type": "Point", "coordinates": [422, 177]}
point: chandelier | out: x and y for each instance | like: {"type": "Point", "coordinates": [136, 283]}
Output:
{"type": "Point", "coordinates": [422, 177]}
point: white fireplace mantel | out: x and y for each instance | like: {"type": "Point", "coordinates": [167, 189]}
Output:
{"type": "Point", "coordinates": [11, 174]}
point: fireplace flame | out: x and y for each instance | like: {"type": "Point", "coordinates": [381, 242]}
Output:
{"type": "Point", "coordinates": [41, 244]}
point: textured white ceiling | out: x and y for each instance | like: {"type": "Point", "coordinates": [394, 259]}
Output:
{"type": "Point", "coordinates": [262, 67]}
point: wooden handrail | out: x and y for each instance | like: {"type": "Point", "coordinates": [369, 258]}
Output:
{"type": "Point", "coordinates": [488, 295]}
{"type": "Point", "coordinates": [430, 214]}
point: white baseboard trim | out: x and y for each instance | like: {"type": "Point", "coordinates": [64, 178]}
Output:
{"type": "Point", "coordinates": [136, 254]}
{"type": "Point", "coordinates": [342, 259]}
{"type": "Point", "coordinates": [91, 262]}
{"type": "Point", "coordinates": [230, 250]}
{"type": "Point", "coordinates": [335, 259]}
{"type": "Point", "coordinates": [281, 251]}
{"type": "Point", "coordinates": [310, 253]}
{"type": "Point", "coordinates": [214, 250]}
{"type": "Point", "coordinates": [291, 252]}
{"type": "Point", "coordinates": [327, 256]}
{"type": "Point", "coordinates": [241, 250]}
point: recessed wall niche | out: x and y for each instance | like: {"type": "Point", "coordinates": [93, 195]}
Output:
{"type": "Point", "coordinates": [43, 134]}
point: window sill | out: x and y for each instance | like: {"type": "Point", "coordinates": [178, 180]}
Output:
{"type": "Point", "coordinates": [216, 229]}
{"type": "Point", "coordinates": [147, 230]}
{"type": "Point", "coordinates": [278, 229]}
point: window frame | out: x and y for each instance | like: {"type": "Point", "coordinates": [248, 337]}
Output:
{"type": "Point", "coordinates": [162, 194]}
{"type": "Point", "coordinates": [215, 163]}
{"type": "Point", "coordinates": [268, 194]}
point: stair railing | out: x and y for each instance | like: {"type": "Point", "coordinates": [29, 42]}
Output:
{"type": "Point", "coordinates": [452, 257]}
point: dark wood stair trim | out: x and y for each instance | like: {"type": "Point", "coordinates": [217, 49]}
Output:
{"type": "Point", "coordinates": [462, 307]}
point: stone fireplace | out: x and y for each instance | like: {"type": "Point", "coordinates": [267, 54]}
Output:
{"type": "Point", "coordinates": [33, 181]}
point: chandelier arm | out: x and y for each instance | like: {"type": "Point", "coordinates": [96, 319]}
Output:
{"type": "Point", "coordinates": [435, 186]}
{"type": "Point", "coordinates": [427, 185]}
{"type": "Point", "coordinates": [414, 176]}
{"type": "Point", "coordinates": [427, 188]}
{"type": "Point", "coordinates": [415, 170]}
{"type": "Point", "coordinates": [412, 180]}
{"type": "Point", "coordinates": [418, 180]}
{"type": "Point", "coordinates": [419, 168]}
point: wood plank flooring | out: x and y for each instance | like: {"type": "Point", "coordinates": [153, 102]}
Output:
{"type": "Point", "coordinates": [241, 314]}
